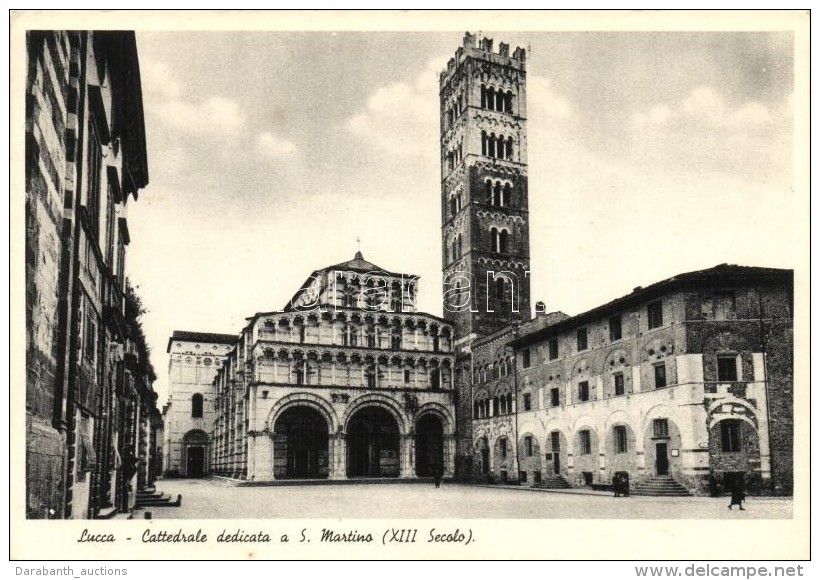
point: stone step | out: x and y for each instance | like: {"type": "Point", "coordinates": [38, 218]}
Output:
{"type": "Point", "coordinates": [661, 487]}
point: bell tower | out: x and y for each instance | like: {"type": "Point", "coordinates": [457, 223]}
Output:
{"type": "Point", "coordinates": [484, 205]}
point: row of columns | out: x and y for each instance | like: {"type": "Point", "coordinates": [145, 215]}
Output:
{"type": "Point", "coordinates": [260, 460]}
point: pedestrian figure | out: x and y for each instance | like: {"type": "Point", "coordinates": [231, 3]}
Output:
{"type": "Point", "coordinates": [616, 484]}
{"type": "Point", "coordinates": [438, 472]}
{"type": "Point", "coordinates": [738, 494]}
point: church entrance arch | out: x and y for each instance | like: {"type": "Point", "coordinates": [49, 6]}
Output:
{"type": "Point", "coordinates": [195, 443]}
{"type": "Point", "coordinates": [429, 446]}
{"type": "Point", "coordinates": [372, 444]}
{"type": "Point", "coordinates": [300, 444]}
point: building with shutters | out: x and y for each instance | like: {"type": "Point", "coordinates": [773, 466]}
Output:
{"type": "Point", "coordinates": [90, 404]}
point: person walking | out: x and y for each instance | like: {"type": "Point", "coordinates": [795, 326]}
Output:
{"type": "Point", "coordinates": [738, 494]}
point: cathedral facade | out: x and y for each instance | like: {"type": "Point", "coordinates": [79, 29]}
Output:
{"type": "Point", "coordinates": [347, 381]}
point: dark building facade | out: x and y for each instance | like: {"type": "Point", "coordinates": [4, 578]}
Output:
{"type": "Point", "coordinates": [88, 381]}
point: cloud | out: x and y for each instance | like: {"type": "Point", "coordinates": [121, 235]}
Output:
{"type": "Point", "coordinates": [707, 108]}
{"type": "Point", "coordinates": [270, 145]}
{"type": "Point", "coordinates": [158, 82]}
{"type": "Point", "coordinates": [213, 115]}
{"type": "Point", "coordinates": [544, 103]}
{"type": "Point", "coordinates": [402, 117]}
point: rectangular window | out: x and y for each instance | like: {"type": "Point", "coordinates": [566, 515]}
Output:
{"type": "Point", "coordinates": [554, 397]}
{"type": "Point", "coordinates": [90, 339]}
{"type": "Point", "coordinates": [615, 328]}
{"type": "Point", "coordinates": [553, 348]}
{"type": "Point", "coordinates": [660, 375]}
{"type": "Point", "coordinates": [724, 305]}
{"type": "Point", "coordinates": [586, 442]}
{"type": "Point", "coordinates": [94, 171]}
{"type": "Point", "coordinates": [619, 433]}
{"type": "Point", "coordinates": [502, 445]}
{"type": "Point", "coordinates": [730, 436]}
{"type": "Point", "coordinates": [654, 314]}
{"type": "Point", "coordinates": [660, 428]}
{"type": "Point", "coordinates": [583, 391]}
{"type": "Point", "coordinates": [406, 375]}
{"type": "Point", "coordinates": [527, 402]}
{"type": "Point", "coordinates": [727, 369]}
{"type": "Point", "coordinates": [525, 356]}
{"type": "Point", "coordinates": [618, 380]}
{"type": "Point", "coordinates": [528, 446]}
{"type": "Point", "coordinates": [582, 339]}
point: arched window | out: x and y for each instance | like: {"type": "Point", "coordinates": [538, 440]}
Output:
{"type": "Point", "coordinates": [499, 101]}
{"type": "Point", "coordinates": [495, 406]}
{"type": "Point", "coordinates": [196, 406]}
{"type": "Point", "coordinates": [506, 197]}
{"type": "Point", "coordinates": [510, 148]}
{"type": "Point", "coordinates": [497, 199]}
{"type": "Point", "coordinates": [508, 102]}
{"type": "Point", "coordinates": [453, 207]}
{"type": "Point", "coordinates": [503, 405]}
{"type": "Point", "coordinates": [483, 96]}
{"type": "Point", "coordinates": [499, 289]}
{"type": "Point", "coordinates": [494, 240]}
{"type": "Point", "coordinates": [460, 245]}
{"type": "Point", "coordinates": [491, 98]}
{"type": "Point", "coordinates": [491, 145]}
{"type": "Point", "coordinates": [484, 143]}
{"type": "Point", "coordinates": [502, 241]}
{"type": "Point", "coordinates": [509, 403]}
{"type": "Point", "coordinates": [475, 410]}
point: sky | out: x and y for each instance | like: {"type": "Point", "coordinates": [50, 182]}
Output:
{"type": "Point", "coordinates": [269, 153]}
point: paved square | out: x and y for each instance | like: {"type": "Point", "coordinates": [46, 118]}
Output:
{"type": "Point", "coordinates": [204, 499]}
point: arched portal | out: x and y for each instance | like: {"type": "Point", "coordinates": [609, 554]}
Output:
{"type": "Point", "coordinates": [372, 444]}
{"type": "Point", "coordinates": [429, 446]}
{"type": "Point", "coordinates": [195, 444]}
{"type": "Point", "coordinates": [300, 444]}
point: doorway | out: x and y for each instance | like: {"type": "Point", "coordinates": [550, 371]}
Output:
{"type": "Point", "coordinates": [301, 446]}
{"type": "Point", "coordinates": [372, 444]}
{"type": "Point", "coordinates": [661, 459]}
{"type": "Point", "coordinates": [555, 438]}
{"type": "Point", "coordinates": [429, 446]}
{"type": "Point", "coordinates": [196, 461]}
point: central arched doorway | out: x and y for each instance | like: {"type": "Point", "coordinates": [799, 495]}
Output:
{"type": "Point", "coordinates": [429, 446]}
{"type": "Point", "coordinates": [195, 443]}
{"type": "Point", "coordinates": [372, 444]}
{"type": "Point", "coordinates": [300, 444]}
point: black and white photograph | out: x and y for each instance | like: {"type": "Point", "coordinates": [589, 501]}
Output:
{"type": "Point", "coordinates": [410, 285]}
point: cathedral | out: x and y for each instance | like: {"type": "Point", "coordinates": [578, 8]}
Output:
{"type": "Point", "coordinates": [679, 388]}
{"type": "Point", "coordinates": [348, 380]}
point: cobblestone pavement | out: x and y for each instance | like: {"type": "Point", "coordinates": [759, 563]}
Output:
{"type": "Point", "coordinates": [202, 499]}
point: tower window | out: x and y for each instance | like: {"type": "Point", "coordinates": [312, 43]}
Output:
{"type": "Point", "coordinates": [525, 357]}
{"type": "Point", "coordinates": [730, 436]}
{"type": "Point", "coordinates": [196, 406]}
{"type": "Point", "coordinates": [727, 369]}
{"type": "Point", "coordinates": [553, 346]}
{"type": "Point", "coordinates": [583, 391]}
{"type": "Point", "coordinates": [581, 336]}
{"type": "Point", "coordinates": [503, 238]}
{"type": "Point", "coordinates": [660, 428]}
{"type": "Point", "coordinates": [615, 328]}
{"type": "Point", "coordinates": [619, 434]}
{"type": "Point", "coordinates": [660, 375]}
{"type": "Point", "coordinates": [555, 397]}
{"type": "Point", "coordinates": [527, 402]}
{"type": "Point", "coordinates": [618, 382]}
{"type": "Point", "coordinates": [654, 315]}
